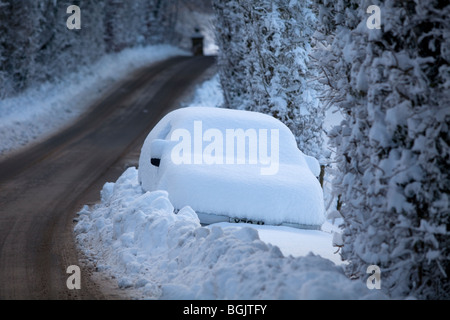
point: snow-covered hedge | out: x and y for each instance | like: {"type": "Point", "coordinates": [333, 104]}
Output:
{"type": "Point", "coordinates": [264, 64]}
{"type": "Point", "coordinates": [393, 87]}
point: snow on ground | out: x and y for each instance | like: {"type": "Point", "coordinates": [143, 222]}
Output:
{"type": "Point", "coordinates": [136, 237]}
{"type": "Point", "coordinates": [208, 94]}
{"type": "Point", "coordinates": [294, 242]}
{"type": "Point", "coordinates": [153, 253]}
{"type": "Point", "coordinates": [43, 110]}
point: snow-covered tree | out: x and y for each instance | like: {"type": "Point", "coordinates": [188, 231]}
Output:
{"type": "Point", "coordinates": [131, 23]}
{"type": "Point", "coordinates": [20, 42]}
{"type": "Point", "coordinates": [230, 37]}
{"type": "Point", "coordinates": [5, 79]}
{"type": "Point", "coordinates": [264, 60]}
{"type": "Point", "coordinates": [36, 45]}
{"type": "Point", "coordinates": [392, 84]}
{"type": "Point", "coordinates": [277, 69]}
{"type": "Point", "coordinates": [66, 50]}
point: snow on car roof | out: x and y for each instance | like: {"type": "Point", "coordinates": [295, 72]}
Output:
{"type": "Point", "coordinates": [288, 193]}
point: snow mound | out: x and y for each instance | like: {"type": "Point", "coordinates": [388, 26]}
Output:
{"type": "Point", "coordinates": [289, 193]}
{"type": "Point", "coordinates": [136, 237]}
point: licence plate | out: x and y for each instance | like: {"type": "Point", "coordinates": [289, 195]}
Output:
{"type": "Point", "coordinates": [243, 220]}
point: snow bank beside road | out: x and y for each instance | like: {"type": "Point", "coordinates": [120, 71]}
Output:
{"type": "Point", "coordinates": [135, 237]}
{"type": "Point", "coordinates": [41, 111]}
{"type": "Point", "coordinates": [208, 94]}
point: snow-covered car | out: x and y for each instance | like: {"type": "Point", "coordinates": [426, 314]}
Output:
{"type": "Point", "coordinates": [232, 166]}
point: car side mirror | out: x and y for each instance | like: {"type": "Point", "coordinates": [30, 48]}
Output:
{"type": "Point", "coordinates": [156, 151]}
{"type": "Point", "coordinates": [313, 165]}
{"type": "Point", "coordinates": [155, 162]}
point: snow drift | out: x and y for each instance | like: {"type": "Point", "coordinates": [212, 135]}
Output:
{"type": "Point", "coordinates": [136, 237]}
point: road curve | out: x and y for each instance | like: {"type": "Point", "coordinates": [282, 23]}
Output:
{"type": "Point", "coordinates": [42, 188]}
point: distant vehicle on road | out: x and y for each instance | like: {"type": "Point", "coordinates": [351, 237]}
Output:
{"type": "Point", "coordinates": [232, 166]}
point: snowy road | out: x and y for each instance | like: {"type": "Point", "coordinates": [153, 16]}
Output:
{"type": "Point", "coordinates": [42, 188]}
